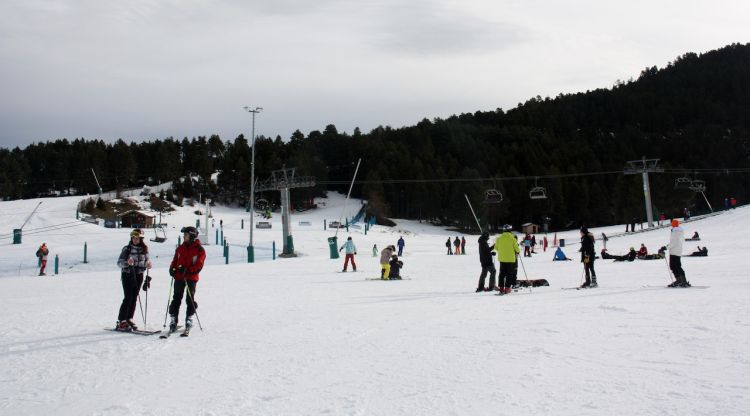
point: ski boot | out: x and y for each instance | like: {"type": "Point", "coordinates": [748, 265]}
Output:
{"type": "Point", "coordinates": [593, 282]}
{"type": "Point", "coordinates": [172, 323]}
{"type": "Point", "coordinates": [188, 326]}
{"type": "Point", "coordinates": [123, 326]}
{"type": "Point", "coordinates": [132, 324]}
{"type": "Point", "coordinates": [586, 285]}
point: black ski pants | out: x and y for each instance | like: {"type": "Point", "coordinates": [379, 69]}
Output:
{"type": "Point", "coordinates": [507, 275]}
{"type": "Point", "coordinates": [675, 264]}
{"type": "Point", "coordinates": [131, 285]}
{"type": "Point", "coordinates": [589, 269]}
{"type": "Point", "coordinates": [492, 271]}
{"type": "Point", "coordinates": [179, 288]}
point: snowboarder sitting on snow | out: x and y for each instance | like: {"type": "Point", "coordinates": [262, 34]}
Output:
{"type": "Point", "coordinates": [606, 255]}
{"type": "Point", "coordinates": [642, 252]}
{"type": "Point", "coordinates": [701, 252]}
{"type": "Point", "coordinates": [186, 264]}
{"type": "Point", "coordinates": [396, 265]}
{"type": "Point", "coordinates": [133, 261]}
{"type": "Point", "coordinates": [695, 237]}
{"type": "Point", "coordinates": [42, 253]}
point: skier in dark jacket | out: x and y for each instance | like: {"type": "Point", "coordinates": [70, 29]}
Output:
{"type": "Point", "coordinates": [448, 246]}
{"type": "Point", "coordinates": [133, 261]}
{"type": "Point", "coordinates": [488, 265]}
{"type": "Point", "coordinates": [587, 257]}
{"type": "Point", "coordinates": [400, 243]}
{"type": "Point", "coordinates": [463, 245]}
{"type": "Point", "coordinates": [457, 245]}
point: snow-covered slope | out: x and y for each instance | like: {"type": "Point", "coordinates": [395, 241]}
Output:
{"type": "Point", "coordinates": [297, 336]}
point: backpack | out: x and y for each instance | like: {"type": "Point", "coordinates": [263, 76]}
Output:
{"type": "Point", "coordinates": [39, 253]}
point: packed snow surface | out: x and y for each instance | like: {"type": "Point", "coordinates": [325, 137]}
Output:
{"type": "Point", "coordinates": [296, 336]}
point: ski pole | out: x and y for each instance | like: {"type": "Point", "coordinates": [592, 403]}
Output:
{"type": "Point", "coordinates": [146, 316]}
{"type": "Point", "coordinates": [169, 296]}
{"type": "Point", "coordinates": [582, 274]}
{"type": "Point", "coordinates": [135, 280]}
{"type": "Point", "coordinates": [669, 271]}
{"type": "Point", "coordinates": [190, 296]}
{"type": "Point", "coordinates": [528, 283]}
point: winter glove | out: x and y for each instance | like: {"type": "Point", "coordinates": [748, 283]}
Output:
{"type": "Point", "coordinates": [130, 261]}
{"type": "Point", "coordinates": [172, 271]}
{"type": "Point", "coordinates": [181, 269]}
{"type": "Point", "coordinates": [493, 254]}
{"type": "Point", "coordinates": [355, 253]}
{"type": "Point", "coordinates": [147, 283]}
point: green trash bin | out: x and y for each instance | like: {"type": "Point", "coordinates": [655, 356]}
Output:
{"type": "Point", "coordinates": [17, 236]}
{"type": "Point", "coordinates": [333, 247]}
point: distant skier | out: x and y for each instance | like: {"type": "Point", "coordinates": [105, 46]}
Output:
{"type": "Point", "coordinates": [186, 264]}
{"type": "Point", "coordinates": [400, 245]}
{"type": "Point", "coordinates": [351, 251]}
{"type": "Point", "coordinates": [588, 254]}
{"type": "Point", "coordinates": [526, 245]}
{"type": "Point", "coordinates": [506, 246]}
{"type": "Point", "coordinates": [42, 254]}
{"type": "Point", "coordinates": [463, 245]}
{"type": "Point", "coordinates": [457, 245]}
{"type": "Point", "coordinates": [385, 258]}
{"type": "Point", "coordinates": [133, 261]}
{"type": "Point", "coordinates": [396, 265]}
{"type": "Point", "coordinates": [488, 265]}
{"type": "Point", "coordinates": [374, 250]}
{"type": "Point", "coordinates": [677, 236]}
{"type": "Point", "coordinates": [448, 245]}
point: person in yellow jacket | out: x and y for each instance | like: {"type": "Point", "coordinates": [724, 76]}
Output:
{"type": "Point", "coordinates": [507, 250]}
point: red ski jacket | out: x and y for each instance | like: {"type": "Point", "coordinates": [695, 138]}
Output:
{"type": "Point", "coordinates": [191, 257]}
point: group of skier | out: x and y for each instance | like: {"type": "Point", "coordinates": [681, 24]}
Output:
{"type": "Point", "coordinates": [506, 248]}
{"type": "Point", "coordinates": [459, 246]}
{"type": "Point", "coordinates": [390, 265]}
{"type": "Point", "coordinates": [185, 267]}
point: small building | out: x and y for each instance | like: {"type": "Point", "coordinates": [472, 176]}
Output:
{"type": "Point", "coordinates": [136, 219]}
{"type": "Point", "coordinates": [530, 228]}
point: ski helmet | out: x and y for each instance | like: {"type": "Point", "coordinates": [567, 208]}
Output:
{"type": "Point", "coordinates": [191, 231]}
{"type": "Point", "coordinates": [507, 227]}
{"type": "Point", "coordinates": [675, 223]}
{"type": "Point", "coordinates": [136, 233]}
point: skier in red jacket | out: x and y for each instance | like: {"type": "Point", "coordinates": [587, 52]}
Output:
{"type": "Point", "coordinates": [186, 264]}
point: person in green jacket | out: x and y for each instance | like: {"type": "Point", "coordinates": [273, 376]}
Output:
{"type": "Point", "coordinates": [507, 250]}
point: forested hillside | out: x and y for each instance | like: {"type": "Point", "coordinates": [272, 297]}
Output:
{"type": "Point", "coordinates": [693, 115]}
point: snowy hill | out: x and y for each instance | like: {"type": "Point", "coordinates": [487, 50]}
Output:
{"type": "Point", "coordinates": [297, 336]}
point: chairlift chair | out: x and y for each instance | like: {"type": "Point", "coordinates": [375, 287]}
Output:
{"type": "Point", "coordinates": [538, 192]}
{"type": "Point", "coordinates": [157, 238]}
{"type": "Point", "coordinates": [683, 183]}
{"type": "Point", "coordinates": [493, 196]}
{"type": "Point", "coordinates": [698, 185]}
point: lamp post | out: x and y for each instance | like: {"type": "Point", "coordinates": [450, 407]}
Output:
{"type": "Point", "coordinates": [250, 248]}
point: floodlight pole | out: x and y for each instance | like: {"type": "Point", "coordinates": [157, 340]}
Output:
{"type": "Point", "coordinates": [250, 248]}
{"type": "Point", "coordinates": [644, 166]}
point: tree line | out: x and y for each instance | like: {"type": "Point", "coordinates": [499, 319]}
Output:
{"type": "Point", "coordinates": [691, 114]}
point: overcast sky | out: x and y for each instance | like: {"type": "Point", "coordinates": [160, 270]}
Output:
{"type": "Point", "coordinates": [150, 69]}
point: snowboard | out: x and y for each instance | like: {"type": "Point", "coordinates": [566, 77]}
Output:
{"type": "Point", "coordinates": [395, 280]}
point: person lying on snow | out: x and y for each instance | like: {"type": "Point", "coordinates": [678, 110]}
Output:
{"type": "Point", "coordinates": [632, 254]}
{"type": "Point", "coordinates": [701, 252]}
